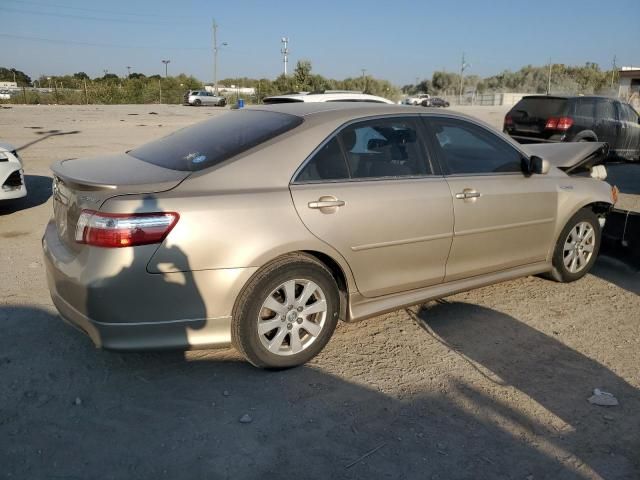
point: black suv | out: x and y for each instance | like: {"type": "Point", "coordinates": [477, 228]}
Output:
{"type": "Point", "coordinates": [537, 119]}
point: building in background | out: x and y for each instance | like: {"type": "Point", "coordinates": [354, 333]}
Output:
{"type": "Point", "coordinates": [629, 85]}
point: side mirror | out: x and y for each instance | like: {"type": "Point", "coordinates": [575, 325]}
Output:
{"type": "Point", "coordinates": [537, 165]}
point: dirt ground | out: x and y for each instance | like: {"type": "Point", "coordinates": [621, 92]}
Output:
{"type": "Point", "coordinates": [487, 384]}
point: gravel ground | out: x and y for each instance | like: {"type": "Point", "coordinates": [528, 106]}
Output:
{"type": "Point", "coordinates": [491, 383]}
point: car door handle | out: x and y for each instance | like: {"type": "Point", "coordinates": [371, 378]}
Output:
{"type": "Point", "coordinates": [467, 194]}
{"type": "Point", "coordinates": [326, 204]}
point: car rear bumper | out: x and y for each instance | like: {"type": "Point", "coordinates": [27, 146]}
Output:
{"type": "Point", "coordinates": [168, 335]}
{"type": "Point", "coordinates": [124, 307]}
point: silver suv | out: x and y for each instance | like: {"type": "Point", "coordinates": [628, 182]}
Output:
{"type": "Point", "coordinates": [202, 97]}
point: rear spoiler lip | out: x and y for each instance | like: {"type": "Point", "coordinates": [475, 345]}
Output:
{"type": "Point", "coordinates": [144, 177]}
{"type": "Point", "coordinates": [77, 184]}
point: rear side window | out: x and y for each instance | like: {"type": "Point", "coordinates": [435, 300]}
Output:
{"type": "Point", "coordinates": [468, 149]}
{"type": "Point", "coordinates": [629, 113]}
{"type": "Point", "coordinates": [213, 141]}
{"type": "Point", "coordinates": [384, 148]}
{"type": "Point", "coordinates": [327, 164]}
{"type": "Point", "coordinates": [585, 107]}
{"type": "Point", "coordinates": [540, 107]}
{"type": "Point", "coordinates": [605, 110]}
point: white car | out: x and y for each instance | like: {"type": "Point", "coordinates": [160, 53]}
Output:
{"type": "Point", "coordinates": [202, 97]}
{"type": "Point", "coordinates": [326, 96]}
{"type": "Point", "coordinates": [11, 174]}
{"type": "Point", "coordinates": [417, 99]}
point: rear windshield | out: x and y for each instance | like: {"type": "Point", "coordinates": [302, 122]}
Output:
{"type": "Point", "coordinates": [541, 107]}
{"type": "Point", "coordinates": [274, 100]}
{"type": "Point", "coordinates": [213, 141]}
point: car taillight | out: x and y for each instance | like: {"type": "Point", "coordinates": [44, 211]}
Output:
{"type": "Point", "coordinates": [508, 121]}
{"type": "Point", "coordinates": [565, 123]}
{"type": "Point", "coordinates": [114, 230]}
{"type": "Point", "coordinates": [559, 123]}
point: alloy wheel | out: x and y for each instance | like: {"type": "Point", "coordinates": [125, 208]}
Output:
{"type": "Point", "coordinates": [292, 317]}
{"type": "Point", "coordinates": [579, 247]}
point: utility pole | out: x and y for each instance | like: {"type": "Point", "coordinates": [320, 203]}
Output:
{"type": "Point", "coordinates": [463, 67]}
{"type": "Point", "coordinates": [216, 47]}
{"type": "Point", "coordinates": [285, 53]}
{"type": "Point", "coordinates": [364, 79]}
{"type": "Point", "coordinates": [613, 70]}
{"type": "Point", "coordinates": [166, 64]}
{"type": "Point", "coordinates": [549, 79]}
{"type": "Point", "coordinates": [128, 71]}
{"type": "Point", "coordinates": [13, 70]}
{"type": "Point", "coordinates": [214, 26]}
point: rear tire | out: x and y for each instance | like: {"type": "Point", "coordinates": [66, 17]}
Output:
{"type": "Point", "coordinates": [270, 326]}
{"type": "Point", "coordinates": [577, 247]}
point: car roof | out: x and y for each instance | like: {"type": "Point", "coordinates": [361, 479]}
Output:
{"type": "Point", "coordinates": [329, 96]}
{"type": "Point", "coordinates": [345, 111]}
{"type": "Point", "coordinates": [569, 97]}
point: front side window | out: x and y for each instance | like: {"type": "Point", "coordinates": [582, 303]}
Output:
{"type": "Point", "coordinates": [384, 148]}
{"type": "Point", "coordinates": [467, 149]}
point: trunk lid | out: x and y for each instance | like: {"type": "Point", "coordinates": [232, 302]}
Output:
{"type": "Point", "coordinates": [88, 183]}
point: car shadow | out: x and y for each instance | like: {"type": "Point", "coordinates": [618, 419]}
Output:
{"type": "Point", "coordinates": [38, 192]}
{"type": "Point", "coordinates": [618, 272]}
{"type": "Point", "coordinates": [70, 411]}
{"type": "Point", "coordinates": [508, 352]}
{"type": "Point", "coordinates": [44, 135]}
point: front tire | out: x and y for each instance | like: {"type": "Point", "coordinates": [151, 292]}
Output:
{"type": "Point", "coordinates": [577, 247]}
{"type": "Point", "coordinates": [287, 313]}
{"type": "Point", "coordinates": [197, 102]}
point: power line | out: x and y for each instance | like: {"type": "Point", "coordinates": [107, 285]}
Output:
{"type": "Point", "coordinates": [93, 10]}
{"type": "Point", "coordinates": [83, 17]}
{"type": "Point", "coordinates": [100, 45]}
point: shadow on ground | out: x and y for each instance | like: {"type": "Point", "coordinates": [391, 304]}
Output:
{"type": "Point", "coordinates": [70, 411]}
{"type": "Point", "coordinates": [511, 353]}
{"type": "Point", "coordinates": [615, 270]}
{"type": "Point", "coordinates": [38, 192]}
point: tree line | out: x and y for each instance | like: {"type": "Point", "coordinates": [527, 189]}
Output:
{"type": "Point", "coordinates": [139, 88]}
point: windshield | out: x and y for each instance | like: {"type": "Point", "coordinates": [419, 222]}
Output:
{"type": "Point", "coordinates": [213, 141]}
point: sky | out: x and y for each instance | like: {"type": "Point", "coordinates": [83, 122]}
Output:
{"type": "Point", "coordinates": [400, 40]}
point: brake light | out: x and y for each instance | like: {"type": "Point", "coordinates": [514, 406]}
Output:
{"type": "Point", "coordinates": [114, 230]}
{"type": "Point", "coordinates": [564, 123]}
{"type": "Point", "coordinates": [508, 121]}
{"type": "Point", "coordinates": [559, 123]}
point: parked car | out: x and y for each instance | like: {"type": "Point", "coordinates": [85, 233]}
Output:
{"type": "Point", "coordinates": [11, 174]}
{"type": "Point", "coordinates": [435, 102]}
{"type": "Point", "coordinates": [549, 118]}
{"type": "Point", "coordinates": [202, 97]}
{"type": "Point", "coordinates": [417, 99]}
{"type": "Point", "coordinates": [264, 226]}
{"type": "Point", "coordinates": [325, 96]}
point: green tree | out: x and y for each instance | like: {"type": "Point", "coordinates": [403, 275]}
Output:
{"type": "Point", "coordinates": [7, 75]}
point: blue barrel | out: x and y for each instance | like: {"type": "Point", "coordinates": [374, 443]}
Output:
{"type": "Point", "coordinates": [241, 103]}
